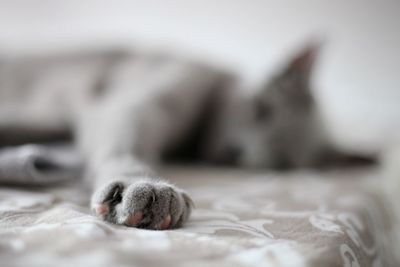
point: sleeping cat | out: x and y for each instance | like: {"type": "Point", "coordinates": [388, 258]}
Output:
{"type": "Point", "coordinates": [128, 112]}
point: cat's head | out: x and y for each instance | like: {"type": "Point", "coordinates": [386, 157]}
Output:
{"type": "Point", "coordinates": [277, 127]}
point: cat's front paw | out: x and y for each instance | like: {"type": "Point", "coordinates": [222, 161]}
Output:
{"type": "Point", "coordinates": [144, 204]}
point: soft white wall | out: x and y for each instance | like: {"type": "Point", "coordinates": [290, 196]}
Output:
{"type": "Point", "coordinates": [358, 80]}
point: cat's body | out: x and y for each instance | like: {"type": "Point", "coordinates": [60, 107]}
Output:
{"type": "Point", "coordinates": [127, 112]}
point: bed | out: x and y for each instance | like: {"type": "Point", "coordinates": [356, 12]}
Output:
{"type": "Point", "coordinates": [242, 218]}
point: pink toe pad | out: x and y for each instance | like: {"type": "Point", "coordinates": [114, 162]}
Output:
{"type": "Point", "coordinates": [100, 209]}
{"type": "Point", "coordinates": [134, 219]}
{"type": "Point", "coordinates": [165, 223]}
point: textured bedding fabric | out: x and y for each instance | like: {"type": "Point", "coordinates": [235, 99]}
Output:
{"type": "Point", "coordinates": [241, 219]}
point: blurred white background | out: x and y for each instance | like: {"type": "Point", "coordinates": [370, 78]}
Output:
{"type": "Point", "coordinates": [358, 76]}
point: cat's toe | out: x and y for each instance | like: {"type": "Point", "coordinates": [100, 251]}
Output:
{"type": "Point", "coordinates": [100, 209]}
{"type": "Point", "coordinates": [106, 199]}
{"type": "Point", "coordinates": [164, 224]}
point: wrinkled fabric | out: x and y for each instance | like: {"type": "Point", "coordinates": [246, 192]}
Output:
{"type": "Point", "coordinates": [241, 219]}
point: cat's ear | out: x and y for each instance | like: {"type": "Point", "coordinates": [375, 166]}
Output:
{"type": "Point", "coordinates": [300, 66]}
{"type": "Point", "coordinates": [292, 84]}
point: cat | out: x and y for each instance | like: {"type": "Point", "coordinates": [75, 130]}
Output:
{"type": "Point", "coordinates": [130, 111]}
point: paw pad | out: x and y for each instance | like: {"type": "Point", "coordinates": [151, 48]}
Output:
{"type": "Point", "coordinates": [164, 224]}
{"type": "Point", "coordinates": [134, 219]}
{"type": "Point", "coordinates": [101, 209]}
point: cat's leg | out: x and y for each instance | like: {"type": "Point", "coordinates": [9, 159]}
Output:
{"type": "Point", "coordinates": [120, 145]}
{"type": "Point", "coordinates": [146, 112]}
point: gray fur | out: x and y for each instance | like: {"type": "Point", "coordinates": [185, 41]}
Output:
{"type": "Point", "coordinates": [127, 110]}
{"type": "Point", "coordinates": [276, 127]}
{"type": "Point", "coordinates": [155, 198]}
